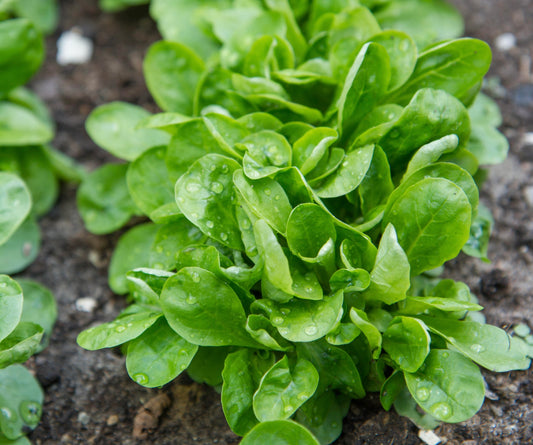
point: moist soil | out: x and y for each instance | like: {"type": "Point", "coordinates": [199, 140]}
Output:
{"type": "Point", "coordinates": [89, 397]}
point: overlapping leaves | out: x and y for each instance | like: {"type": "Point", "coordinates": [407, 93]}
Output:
{"type": "Point", "coordinates": [309, 167]}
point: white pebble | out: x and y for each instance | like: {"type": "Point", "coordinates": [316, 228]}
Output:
{"type": "Point", "coordinates": [86, 304]}
{"type": "Point", "coordinates": [528, 194]}
{"type": "Point", "coordinates": [429, 437]}
{"type": "Point", "coordinates": [73, 47]}
{"type": "Point", "coordinates": [527, 139]}
{"type": "Point", "coordinates": [505, 41]}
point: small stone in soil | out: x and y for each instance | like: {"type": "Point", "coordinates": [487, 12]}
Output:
{"type": "Point", "coordinates": [506, 41]}
{"type": "Point", "coordinates": [84, 418]}
{"type": "Point", "coordinates": [429, 437]}
{"type": "Point", "coordinates": [86, 304]}
{"type": "Point", "coordinates": [112, 420]}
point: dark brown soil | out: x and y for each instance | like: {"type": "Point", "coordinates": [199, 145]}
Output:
{"type": "Point", "coordinates": [89, 397]}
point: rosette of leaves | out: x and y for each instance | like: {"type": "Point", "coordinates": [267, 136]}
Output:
{"type": "Point", "coordinates": [26, 129]}
{"type": "Point", "coordinates": [308, 175]}
{"type": "Point", "coordinates": [27, 314]}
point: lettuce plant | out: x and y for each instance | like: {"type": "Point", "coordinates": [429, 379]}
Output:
{"type": "Point", "coordinates": [311, 173]}
{"type": "Point", "coordinates": [29, 173]}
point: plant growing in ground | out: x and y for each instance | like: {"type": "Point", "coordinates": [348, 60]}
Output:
{"type": "Point", "coordinates": [309, 176]}
{"type": "Point", "coordinates": [29, 173]}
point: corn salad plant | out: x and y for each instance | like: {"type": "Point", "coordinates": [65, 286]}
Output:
{"type": "Point", "coordinates": [315, 165]}
{"type": "Point", "coordinates": [29, 174]}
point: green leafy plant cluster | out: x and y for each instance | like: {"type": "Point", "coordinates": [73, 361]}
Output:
{"type": "Point", "coordinates": [29, 173]}
{"type": "Point", "coordinates": [314, 166]}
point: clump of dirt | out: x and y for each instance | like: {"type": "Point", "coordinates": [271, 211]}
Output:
{"type": "Point", "coordinates": [89, 397]}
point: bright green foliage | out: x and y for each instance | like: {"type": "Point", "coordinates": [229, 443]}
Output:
{"type": "Point", "coordinates": [317, 165]}
{"type": "Point", "coordinates": [29, 172]}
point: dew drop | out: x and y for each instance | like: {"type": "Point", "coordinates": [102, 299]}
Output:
{"type": "Point", "coordinates": [277, 320]}
{"type": "Point", "coordinates": [303, 396]}
{"type": "Point", "coordinates": [194, 215]}
{"type": "Point", "coordinates": [223, 236]}
{"type": "Point", "coordinates": [30, 412]}
{"type": "Point", "coordinates": [225, 168]}
{"type": "Point", "coordinates": [288, 409]}
{"type": "Point", "coordinates": [140, 378]}
{"type": "Point", "coordinates": [268, 192]}
{"type": "Point", "coordinates": [422, 394]}
{"type": "Point", "coordinates": [120, 328]}
{"type": "Point", "coordinates": [183, 352]}
{"type": "Point", "coordinates": [441, 410]}
{"type": "Point", "coordinates": [477, 348]}
{"type": "Point", "coordinates": [192, 188]}
{"type": "Point", "coordinates": [445, 355]}
{"type": "Point", "coordinates": [213, 167]}
{"type": "Point", "coordinates": [210, 224]}
{"type": "Point", "coordinates": [277, 197]}
{"type": "Point", "coordinates": [283, 331]}
{"type": "Point", "coordinates": [217, 187]}
{"type": "Point", "coordinates": [246, 224]}
{"type": "Point", "coordinates": [6, 413]}
{"type": "Point", "coordinates": [191, 299]}
{"type": "Point", "coordinates": [311, 330]}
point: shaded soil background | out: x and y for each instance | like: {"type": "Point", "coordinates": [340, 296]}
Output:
{"type": "Point", "coordinates": [89, 397]}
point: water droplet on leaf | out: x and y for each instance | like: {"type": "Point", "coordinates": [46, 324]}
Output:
{"type": "Point", "coordinates": [140, 378]}
{"type": "Point", "coordinates": [217, 187]}
{"type": "Point", "coordinates": [30, 412]}
{"type": "Point", "coordinates": [311, 330]}
{"type": "Point", "coordinates": [441, 410]}
{"type": "Point", "coordinates": [422, 394]}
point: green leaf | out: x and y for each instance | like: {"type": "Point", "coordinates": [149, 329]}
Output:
{"type": "Point", "coordinates": [279, 432]}
{"type": "Point", "coordinates": [391, 389]}
{"type": "Point", "coordinates": [335, 366]}
{"type": "Point", "coordinates": [426, 22]}
{"type": "Point", "coordinates": [405, 405]}
{"type": "Point", "coordinates": [114, 128]}
{"type": "Point", "coordinates": [31, 101]}
{"type": "Point", "coordinates": [21, 54]}
{"type": "Point", "coordinates": [372, 334]}
{"type": "Point", "coordinates": [267, 153]}
{"type": "Point", "coordinates": [206, 196]}
{"type": "Point", "coordinates": [21, 127]}
{"type": "Point", "coordinates": [11, 304]}
{"type": "Point", "coordinates": [33, 166]}
{"type": "Point", "coordinates": [366, 83]}
{"type": "Point", "coordinates": [145, 284]}
{"type": "Point", "coordinates": [172, 73]}
{"type": "Point", "coordinates": [21, 399]}
{"type": "Point", "coordinates": [487, 144]}
{"type": "Point", "coordinates": [22, 248]}
{"type": "Point", "coordinates": [104, 201]}
{"type": "Point", "coordinates": [130, 254]}
{"type": "Point", "coordinates": [487, 345]}
{"type": "Point", "coordinates": [402, 55]}
{"type": "Point", "coordinates": [485, 110]}
{"type": "Point", "coordinates": [480, 230]}
{"type": "Point", "coordinates": [261, 330]}
{"type": "Point", "coordinates": [20, 344]}
{"type": "Point", "coordinates": [407, 341]}
{"type": "Point", "coordinates": [306, 320]}
{"type": "Point", "coordinates": [39, 308]}
{"type": "Point", "coordinates": [204, 310]}
{"type": "Point", "coordinates": [158, 355]}
{"type": "Point", "coordinates": [15, 204]}
{"type": "Point", "coordinates": [309, 149]}
{"type": "Point", "coordinates": [207, 364]}
{"type": "Point", "coordinates": [266, 198]}
{"type": "Point", "coordinates": [389, 279]}
{"type": "Point", "coordinates": [323, 414]}
{"type": "Point", "coordinates": [149, 186]}
{"type": "Point", "coordinates": [349, 175]}
{"type": "Point", "coordinates": [309, 230]}
{"type": "Point", "coordinates": [354, 280]}
{"type": "Point", "coordinates": [277, 270]}
{"type": "Point", "coordinates": [430, 115]}
{"type": "Point", "coordinates": [455, 67]}
{"type": "Point", "coordinates": [284, 388]}
{"type": "Point", "coordinates": [449, 386]}
{"type": "Point", "coordinates": [242, 373]}
{"type": "Point", "coordinates": [435, 218]}
{"type": "Point", "coordinates": [170, 239]}
{"type": "Point", "coordinates": [42, 13]}
{"type": "Point", "coordinates": [431, 152]}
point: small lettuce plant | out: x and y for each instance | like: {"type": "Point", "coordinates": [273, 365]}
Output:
{"type": "Point", "coordinates": [29, 174]}
{"type": "Point", "coordinates": [315, 165]}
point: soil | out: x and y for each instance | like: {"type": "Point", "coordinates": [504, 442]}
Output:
{"type": "Point", "coordinates": [89, 397]}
